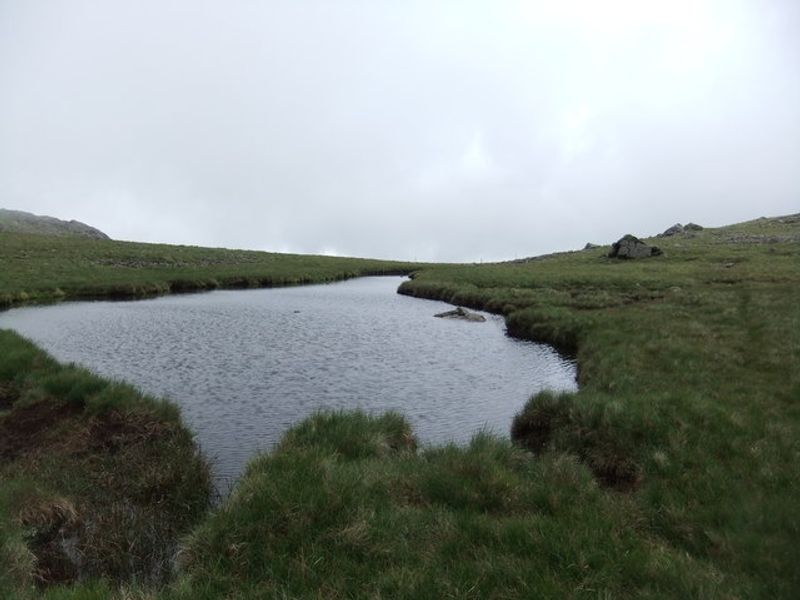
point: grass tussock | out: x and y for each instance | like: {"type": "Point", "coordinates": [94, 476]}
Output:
{"type": "Point", "coordinates": [99, 481]}
{"type": "Point", "coordinates": [324, 517]}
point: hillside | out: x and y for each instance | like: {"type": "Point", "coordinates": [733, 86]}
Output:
{"type": "Point", "coordinates": [672, 472]}
{"type": "Point", "coordinates": [17, 221]}
{"type": "Point", "coordinates": [43, 268]}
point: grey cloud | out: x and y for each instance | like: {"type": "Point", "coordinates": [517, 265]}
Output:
{"type": "Point", "coordinates": [446, 131]}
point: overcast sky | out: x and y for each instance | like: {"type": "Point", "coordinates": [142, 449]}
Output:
{"type": "Point", "coordinates": [399, 129]}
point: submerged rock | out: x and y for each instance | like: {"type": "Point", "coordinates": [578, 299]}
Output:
{"type": "Point", "coordinates": [629, 246]}
{"type": "Point", "coordinates": [463, 314]}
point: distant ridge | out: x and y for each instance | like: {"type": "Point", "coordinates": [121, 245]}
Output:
{"type": "Point", "coordinates": [17, 221]}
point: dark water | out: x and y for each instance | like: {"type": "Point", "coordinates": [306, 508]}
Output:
{"type": "Point", "coordinates": [245, 365]}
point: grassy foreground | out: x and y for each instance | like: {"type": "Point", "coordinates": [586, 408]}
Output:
{"type": "Point", "coordinates": [673, 472]}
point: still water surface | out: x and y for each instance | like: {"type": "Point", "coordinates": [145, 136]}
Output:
{"type": "Point", "coordinates": [245, 365]}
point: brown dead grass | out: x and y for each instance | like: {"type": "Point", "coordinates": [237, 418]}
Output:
{"type": "Point", "coordinates": [54, 528]}
{"type": "Point", "coordinates": [114, 512]}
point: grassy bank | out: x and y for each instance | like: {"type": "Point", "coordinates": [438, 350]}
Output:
{"type": "Point", "coordinates": [673, 472]}
{"type": "Point", "coordinates": [347, 507]}
{"type": "Point", "coordinates": [98, 481]}
{"type": "Point", "coordinates": [689, 407]}
{"type": "Point", "coordinates": [44, 268]}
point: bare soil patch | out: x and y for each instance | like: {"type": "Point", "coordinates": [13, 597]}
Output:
{"type": "Point", "coordinates": [27, 428]}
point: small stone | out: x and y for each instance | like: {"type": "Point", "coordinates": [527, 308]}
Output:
{"type": "Point", "coordinates": [463, 314]}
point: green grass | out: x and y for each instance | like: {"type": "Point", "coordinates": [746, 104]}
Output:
{"type": "Point", "coordinates": [690, 386]}
{"type": "Point", "coordinates": [44, 268]}
{"type": "Point", "coordinates": [672, 472]}
{"type": "Point", "coordinates": [98, 481]}
{"type": "Point", "coordinates": [346, 507]}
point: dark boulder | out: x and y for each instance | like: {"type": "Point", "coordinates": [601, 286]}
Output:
{"type": "Point", "coordinates": [629, 246]}
{"type": "Point", "coordinates": [692, 227]}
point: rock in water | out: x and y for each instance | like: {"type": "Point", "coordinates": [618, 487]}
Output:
{"type": "Point", "coordinates": [629, 246]}
{"type": "Point", "coordinates": [463, 314]}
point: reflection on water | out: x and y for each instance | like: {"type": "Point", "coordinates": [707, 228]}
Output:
{"type": "Point", "coordinates": [246, 365]}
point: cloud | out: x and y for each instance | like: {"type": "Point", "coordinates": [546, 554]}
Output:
{"type": "Point", "coordinates": [436, 131]}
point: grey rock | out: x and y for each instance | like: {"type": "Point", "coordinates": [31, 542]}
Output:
{"type": "Point", "coordinates": [674, 230]}
{"type": "Point", "coordinates": [629, 246]}
{"type": "Point", "coordinates": [679, 229]}
{"type": "Point", "coordinates": [463, 314]}
{"type": "Point", "coordinates": [590, 246]}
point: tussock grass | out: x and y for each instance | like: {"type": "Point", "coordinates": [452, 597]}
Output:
{"type": "Point", "coordinates": [324, 517]}
{"type": "Point", "coordinates": [99, 481]}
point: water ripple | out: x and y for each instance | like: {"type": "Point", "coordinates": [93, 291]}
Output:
{"type": "Point", "coordinates": [244, 365]}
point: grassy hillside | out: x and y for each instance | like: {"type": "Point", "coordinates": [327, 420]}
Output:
{"type": "Point", "coordinates": [672, 472]}
{"type": "Point", "coordinates": [689, 407]}
{"type": "Point", "coordinates": [17, 221]}
{"type": "Point", "coordinates": [36, 267]}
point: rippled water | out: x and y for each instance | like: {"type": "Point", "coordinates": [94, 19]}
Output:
{"type": "Point", "coordinates": [246, 365]}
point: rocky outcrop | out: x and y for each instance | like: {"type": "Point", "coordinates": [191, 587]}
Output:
{"type": "Point", "coordinates": [674, 230]}
{"type": "Point", "coordinates": [678, 229]}
{"type": "Point", "coordinates": [629, 246]}
{"type": "Point", "coordinates": [463, 314]}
